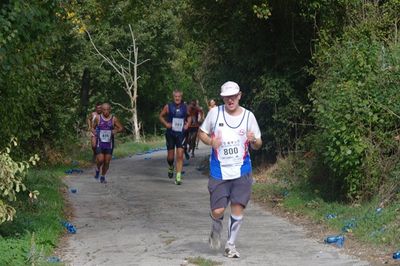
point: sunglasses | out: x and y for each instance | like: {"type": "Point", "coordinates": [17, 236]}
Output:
{"type": "Point", "coordinates": [231, 97]}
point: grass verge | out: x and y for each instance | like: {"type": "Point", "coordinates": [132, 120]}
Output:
{"type": "Point", "coordinates": [35, 232]}
{"type": "Point", "coordinates": [202, 261]}
{"type": "Point", "coordinates": [373, 225]}
{"type": "Point", "coordinates": [126, 147]}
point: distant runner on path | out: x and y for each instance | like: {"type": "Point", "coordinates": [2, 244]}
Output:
{"type": "Point", "coordinates": [197, 117]}
{"type": "Point", "coordinates": [90, 121]}
{"type": "Point", "coordinates": [211, 104]}
{"type": "Point", "coordinates": [105, 127]}
{"type": "Point", "coordinates": [175, 117]}
{"type": "Point", "coordinates": [229, 129]}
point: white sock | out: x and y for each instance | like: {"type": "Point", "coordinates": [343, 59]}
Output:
{"type": "Point", "coordinates": [233, 228]}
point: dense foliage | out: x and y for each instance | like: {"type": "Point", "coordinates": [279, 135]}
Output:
{"type": "Point", "coordinates": [35, 81]}
{"type": "Point", "coordinates": [355, 99]}
{"type": "Point", "coordinates": [11, 181]}
{"type": "Point", "coordinates": [320, 75]}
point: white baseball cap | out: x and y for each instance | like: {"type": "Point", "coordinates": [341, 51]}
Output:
{"type": "Point", "coordinates": [229, 88]}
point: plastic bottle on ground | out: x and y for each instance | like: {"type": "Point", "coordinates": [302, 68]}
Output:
{"type": "Point", "coordinates": [337, 240]}
{"type": "Point", "coordinates": [396, 255]}
{"type": "Point", "coordinates": [70, 227]}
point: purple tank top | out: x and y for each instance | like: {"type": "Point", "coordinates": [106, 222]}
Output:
{"type": "Point", "coordinates": [105, 138]}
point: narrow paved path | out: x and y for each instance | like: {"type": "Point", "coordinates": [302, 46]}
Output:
{"type": "Point", "coordinates": [141, 218]}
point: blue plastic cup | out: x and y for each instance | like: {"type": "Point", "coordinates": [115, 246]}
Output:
{"type": "Point", "coordinates": [396, 255]}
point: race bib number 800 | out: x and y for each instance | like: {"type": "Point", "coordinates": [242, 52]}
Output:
{"type": "Point", "coordinates": [230, 153]}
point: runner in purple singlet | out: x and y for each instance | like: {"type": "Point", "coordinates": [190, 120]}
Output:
{"type": "Point", "coordinates": [105, 127]}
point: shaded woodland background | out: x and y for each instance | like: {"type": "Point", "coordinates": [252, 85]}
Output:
{"type": "Point", "coordinates": [322, 77]}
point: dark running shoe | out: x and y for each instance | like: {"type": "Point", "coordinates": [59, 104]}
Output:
{"type": "Point", "coordinates": [170, 172]}
{"type": "Point", "coordinates": [103, 179]}
{"type": "Point", "coordinates": [96, 175]}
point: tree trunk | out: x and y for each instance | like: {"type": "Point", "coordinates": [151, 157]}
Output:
{"type": "Point", "coordinates": [130, 79]}
{"type": "Point", "coordinates": [85, 87]}
{"type": "Point", "coordinates": [135, 89]}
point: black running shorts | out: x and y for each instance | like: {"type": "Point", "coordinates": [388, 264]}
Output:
{"type": "Point", "coordinates": [174, 139]}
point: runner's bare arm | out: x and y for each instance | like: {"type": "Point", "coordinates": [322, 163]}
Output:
{"type": "Point", "coordinates": [255, 143]}
{"type": "Point", "coordinates": [94, 125]}
{"type": "Point", "coordinates": [204, 137]}
{"type": "Point", "coordinates": [117, 126]}
{"type": "Point", "coordinates": [188, 120]}
{"type": "Point", "coordinates": [214, 142]}
{"type": "Point", "coordinates": [163, 114]}
{"type": "Point", "coordinates": [89, 122]}
{"type": "Point", "coordinates": [201, 114]}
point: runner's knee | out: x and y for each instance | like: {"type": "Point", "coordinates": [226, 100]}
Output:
{"type": "Point", "coordinates": [217, 213]}
{"type": "Point", "coordinates": [179, 156]}
{"type": "Point", "coordinates": [237, 209]}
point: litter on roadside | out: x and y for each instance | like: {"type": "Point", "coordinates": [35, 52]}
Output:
{"type": "Point", "coordinates": [74, 170]}
{"type": "Point", "coordinates": [70, 227]}
{"type": "Point", "coordinates": [335, 240]}
{"type": "Point", "coordinates": [348, 227]}
{"type": "Point", "coordinates": [396, 255]}
{"type": "Point", "coordinates": [330, 216]}
{"type": "Point", "coordinates": [53, 259]}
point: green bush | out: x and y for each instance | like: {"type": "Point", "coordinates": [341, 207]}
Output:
{"type": "Point", "coordinates": [279, 110]}
{"type": "Point", "coordinates": [355, 98]}
{"type": "Point", "coordinates": [11, 181]}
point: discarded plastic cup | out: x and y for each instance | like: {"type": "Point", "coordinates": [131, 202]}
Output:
{"type": "Point", "coordinates": [337, 240]}
{"type": "Point", "coordinates": [347, 229]}
{"type": "Point", "coordinates": [331, 239]}
{"type": "Point", "coordinates": [74, 170]}
{"type": "Point", "coordinates": [53, 259]}
{"type": "Point", "coordinates": [70, 227]}
{"type": "Point", "coordinates": [330, 216]}
{"type": "Point", "coordinates": [349, 226]}
{"type": "Point", "coordinates": [396, 255]}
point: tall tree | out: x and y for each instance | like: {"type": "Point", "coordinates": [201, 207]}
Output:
{"type": "Point", "coordinates": [127, 68]}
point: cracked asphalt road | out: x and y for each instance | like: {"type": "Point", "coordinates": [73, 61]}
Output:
{"type": "Point", "coordinates": [140, 217]}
